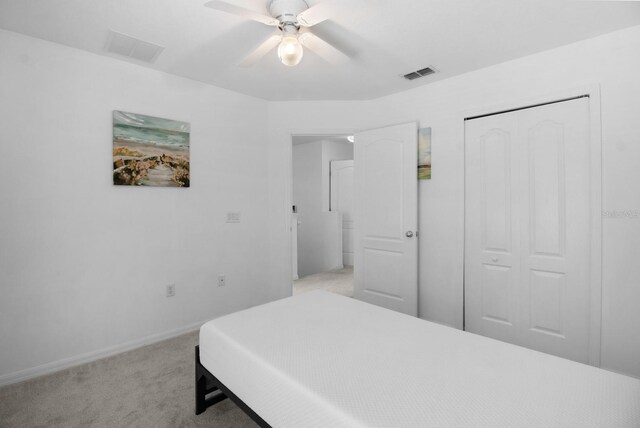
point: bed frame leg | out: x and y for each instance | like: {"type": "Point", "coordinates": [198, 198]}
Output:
{"type": "Point", "coordinates": [201, 385]}
{"type": "Point", "coordinates": [206, 385]}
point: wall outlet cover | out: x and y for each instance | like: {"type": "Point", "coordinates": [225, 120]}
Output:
{"type": "Point", "coordinates": [233, 217]}
{"type": "Point", "coordinates": [171, 290]}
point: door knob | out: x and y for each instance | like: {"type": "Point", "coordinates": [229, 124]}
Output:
{"type": "Point", "coordinates": [409, 234]}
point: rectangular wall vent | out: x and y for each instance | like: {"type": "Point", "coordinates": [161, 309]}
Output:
{"type": "Point", "coordinates": [420, 73]}
{"type": "Point", "coordinates": [121, 44]}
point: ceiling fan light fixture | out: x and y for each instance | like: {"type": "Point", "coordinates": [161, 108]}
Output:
{"type": "Point", "coordinates": [290, 51]}
{"type": "Point", "coordinates": [288, 16]}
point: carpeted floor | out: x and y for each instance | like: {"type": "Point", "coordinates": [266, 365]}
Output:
{"type": "Point", "coordinates": [148, 387]}
{"type": "Point", "coordinates": [336, 281]}
{"type": "Point", "coordinates": [151, 386]}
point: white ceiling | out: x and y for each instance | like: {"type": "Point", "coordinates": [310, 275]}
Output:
{"type": "Point", "coordinates": [385, 38]}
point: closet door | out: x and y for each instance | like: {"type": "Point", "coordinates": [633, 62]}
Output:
{"type": "Point", "coordinates": [492, 240]}
{"type": "Point", "coordinates": [527, 220]}
{"type": "Point", "coordinates": [555, 235]}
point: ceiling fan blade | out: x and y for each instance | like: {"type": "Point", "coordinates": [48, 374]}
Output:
{"type": "Point", "coordinates": [241, 11]}
{"type": "Point", "coordinates": [322, 48]}
{"type": "Point", "coordinates": [318, 13]}
{"type": "Point", "coordinates": [266, 47]}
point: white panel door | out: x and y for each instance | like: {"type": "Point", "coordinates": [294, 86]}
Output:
{"type": "Point", "coordinates": [386, 217]}
{"type": "Point", "coordinates": [491, 225]}
{"type": "Point", "coordinates": [342, 201]}
{"type": "Point", "coordinates": [555, 159]}
{"type": "Point", "coordinates": [527, 228]}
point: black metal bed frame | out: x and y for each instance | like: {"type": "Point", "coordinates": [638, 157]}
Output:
{"type": "Point", "coordinates": [209, 391]}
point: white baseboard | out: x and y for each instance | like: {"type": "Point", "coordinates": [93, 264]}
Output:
{"type": "Point", "coordinates": [77, 360]}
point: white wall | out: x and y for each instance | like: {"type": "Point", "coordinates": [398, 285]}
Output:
{"type": "Point", "coordinates": [319, 231]}
{"type": "Point", "coordinates": [307, 185]}
{"type": "Point", "coordinates": [84, 264]}
{"type": "Point", "coordinates": [610, 61]}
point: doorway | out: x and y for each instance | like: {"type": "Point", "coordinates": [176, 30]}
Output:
{"type": "Point", "coordinates": [320, 206]}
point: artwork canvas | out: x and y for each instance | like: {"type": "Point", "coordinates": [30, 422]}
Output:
{"type": "Point", "coordinates": [150, 151]}
{"type": "Point", "coordinates": [424, 154]}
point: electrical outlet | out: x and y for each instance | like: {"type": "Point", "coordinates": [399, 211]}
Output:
{"type": "Point", "coordinates": [233, 217]}
{"type": "Point", "coordinates": [222, 280]}
{"type": "Point", "coordinates": [171, 290]}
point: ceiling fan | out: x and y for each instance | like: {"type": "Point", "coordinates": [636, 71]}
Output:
{"type": "Point", "coordinates": [293, 18]}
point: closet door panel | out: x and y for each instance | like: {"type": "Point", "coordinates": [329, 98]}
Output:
{"type": "Point", "coordinates": [527, 227]}
{"type": "Point", "coordinates": [491, 293]}
{"type": "Point", "coordinates": [555, 246]}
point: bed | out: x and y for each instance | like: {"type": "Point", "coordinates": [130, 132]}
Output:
{"type": "Point", "coordinates": [324, 360]}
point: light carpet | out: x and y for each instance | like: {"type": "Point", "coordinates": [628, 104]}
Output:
{"type": "Point", "coordinates": [338, 281]}
{"type": "Point", "coordinates": [151, 386]}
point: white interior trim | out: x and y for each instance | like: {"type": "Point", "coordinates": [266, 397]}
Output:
{"type": "Point", "coordinates": [77, 360]}
{"type": "Point", "coordinates": [593, 91]}
{"type": "Point", "coordinates": [596, 226]}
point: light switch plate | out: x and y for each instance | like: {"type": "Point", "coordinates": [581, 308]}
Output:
{"type": "Point", "coordinates": [233, 217]}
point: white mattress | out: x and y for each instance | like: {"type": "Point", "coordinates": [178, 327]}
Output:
{"type": "Point", "coordinates": [323, 360]}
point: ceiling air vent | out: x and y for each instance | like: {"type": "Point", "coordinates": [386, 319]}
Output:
{"type": "Point", "coordinates": [128, 46]}
{"type": "Point", "coordinates": [420, 73]}
{"type": "Point", "coordinates": [412, 76]}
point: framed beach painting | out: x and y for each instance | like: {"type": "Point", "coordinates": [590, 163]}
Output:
{"type": "Point", "coordinates": [424, 154]}
{"type": "Point", "coordinates": [150, 151]}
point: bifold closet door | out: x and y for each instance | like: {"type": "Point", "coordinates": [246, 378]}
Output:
{"type": "Point", "coordinates": [527, 227]}
{"type": "Point", "coordinates": [492, 241]}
